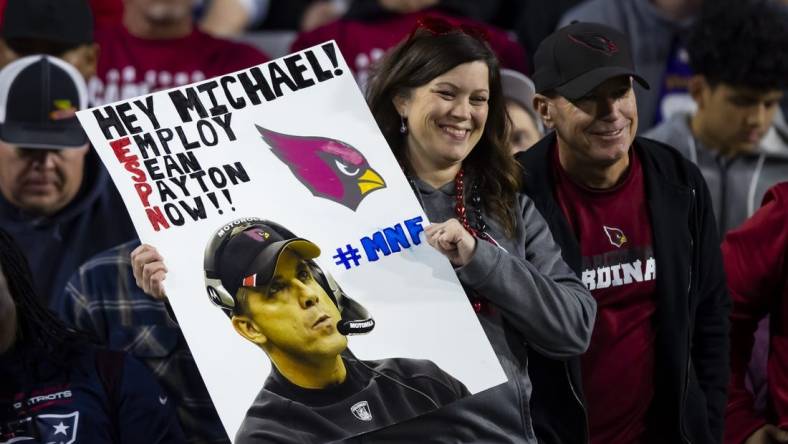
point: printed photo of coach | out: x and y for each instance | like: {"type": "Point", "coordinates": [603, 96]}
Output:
{"type": "Point", "coordinates": [264, 278]}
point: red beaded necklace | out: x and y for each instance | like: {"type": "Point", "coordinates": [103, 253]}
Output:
{"type": "Point", "coordinates": [479, 303]}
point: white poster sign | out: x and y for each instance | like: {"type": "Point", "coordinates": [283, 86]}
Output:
{"type": "Point", "coordinates": [282, 174]}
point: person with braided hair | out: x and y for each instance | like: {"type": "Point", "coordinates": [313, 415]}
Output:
{"type": "Point", "coordinates": [56, 386]}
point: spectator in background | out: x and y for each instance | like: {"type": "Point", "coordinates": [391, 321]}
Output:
{"type": "Point", "coordinates": [526, 127]}
{"type": "Point", "coordinates": [103, 298]}
{"type": "Point", "coordinates": [756, 265]}
{"type": "Point", "coordinates": [105, 12]}
{"type": "Point", "coordinates": [376, 9]}
{"type": "Point", "coordinates": [739, 55]}
{"type": "Point", "coordinates": [61, 28]}
{"type": "Point", "coordinates": [657, 32]}
{"type": "Point", "coordinates": [55, 197]}
{"type": "Point", "coordinates": [634, 220]}
{"type": "Point", "coordinates": [55, 386]}
{"type": "Point", "coordinates": [531, 20]}
{"type": "Point", "coordinates": [365, 40]}
{"type": "Point", "coordinates": [159, 47]}
{"type": "Point", "coordinates": [230, 18]}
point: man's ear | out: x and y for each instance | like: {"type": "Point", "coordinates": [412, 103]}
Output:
{"type": "Point", "coordinates": [698, 87]}
{"type": "Point", "coordinates": [542, 107]}
{"type": "Point", "coordinates": [248, 329]}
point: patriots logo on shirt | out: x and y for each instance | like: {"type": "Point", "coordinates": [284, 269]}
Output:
{"type": "Point", "coordinates": [361, 411]}
{"type": "Point", "coordinates": [616, 237]}
{"type": "Point", "coordinates": [53, 429]}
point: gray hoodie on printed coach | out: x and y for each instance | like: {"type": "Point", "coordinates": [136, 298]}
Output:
{"type": "Point", "coordinates": [737, 183]}
{"type": "Point", "coordinates": [538, 303]}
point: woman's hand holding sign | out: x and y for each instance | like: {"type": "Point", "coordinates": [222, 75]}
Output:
{"type": "Point", "coordinates": [451, 239]}
{"type": "Point", "coordinates": [149, 270]}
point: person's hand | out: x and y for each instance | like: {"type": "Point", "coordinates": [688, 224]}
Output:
{"type": "Point", "coordinates": [451, 239]}
{"type": "Point", "coordinates": [149, 270]}
{"type": "Point", "coordinates": [768, 434]}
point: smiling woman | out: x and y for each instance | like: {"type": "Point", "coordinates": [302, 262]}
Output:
{"type": "Point", "coordinates": [438, 100]}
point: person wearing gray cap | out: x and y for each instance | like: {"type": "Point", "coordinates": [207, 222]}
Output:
{"type": "Point", "coordinates": [56, 198]}
{"type": "Point", "coordinates": [527, 127]}
{"type": "Point", "coordinates": [634, 220]}
{"type": "Point", "coordinates": [266, 281]}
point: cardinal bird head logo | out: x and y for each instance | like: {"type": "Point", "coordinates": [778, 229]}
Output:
{"type": "Point", "coordinates": [329, 168]}
{"type": "Point", "coordinates": [615, 236]}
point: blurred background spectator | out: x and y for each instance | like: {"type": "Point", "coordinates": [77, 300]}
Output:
{"type": "Point", "coordinates": [364, 36]}
{"type": "Point", "coordinates": [527, 127]}
{"type": "Point", "coordinates": [62, 28]}
{"type": "Point", "coordinates": [737, 91]}
{"type": "Point", "coordinates": [56, 386]}
{"type": "Point", "coordinates": [102, 298]}
{"type": "Point", "coordinates": [159, 47]}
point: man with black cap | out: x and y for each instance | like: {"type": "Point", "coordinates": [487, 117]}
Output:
{"type": "Point", "coordinates": [55, 198]}
{"type": "Point", "coordinates": [265, 280]}
{"type": "Point", "coordinates": [634, 220]}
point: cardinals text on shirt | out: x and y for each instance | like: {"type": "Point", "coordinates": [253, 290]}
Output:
{"type": "Point", "coordinates": [617, 268]}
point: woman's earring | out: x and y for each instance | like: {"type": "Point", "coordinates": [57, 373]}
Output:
{"type": "Point", "coordinates": [403, 128]}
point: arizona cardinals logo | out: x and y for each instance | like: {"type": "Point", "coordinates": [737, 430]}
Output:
{"type": "Point", "coordinates": [615, 236]}
{"type": "Point", "coordinates": [328, 168]}
{"type": "Point", "coordinates": [257, 234]}
{"type": "Point", "coordinates": [597, 42]}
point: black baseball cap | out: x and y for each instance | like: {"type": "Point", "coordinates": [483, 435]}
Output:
{"type": "Point", "coordinates": [67, 23]}
{"type": "Point", "coordinates": [579, 57]}
{"type": "Point", "coordinates": [250, 257]}
{"type": "Point", "coordinates": [39, 98]}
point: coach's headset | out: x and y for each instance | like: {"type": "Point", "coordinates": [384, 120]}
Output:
{"type": "Point", "coordinates": [355, 318]}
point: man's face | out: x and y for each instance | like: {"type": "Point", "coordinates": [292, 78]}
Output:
{"type": "Point", "coordinates": [41, 181]}
{"type": "Point", "coordinates": [597, 129]}
{"type": "Point", "coordinates": [734, 119]}
{"type": "Point", "coordinates": [7, 315]}
{"type": "Point", "coordinates": [161, 11]}
{"type": "Point", "coordinates": [83, 57]}
{"type": "Point", "coordinates": [294, 315]}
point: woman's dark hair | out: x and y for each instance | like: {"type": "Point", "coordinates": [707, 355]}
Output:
{"type": "Point", "coordinates": [414, 63]}
{"type": "Point", "coordinates": [36, 326]}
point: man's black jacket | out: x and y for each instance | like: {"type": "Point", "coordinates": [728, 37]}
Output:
{"type": "Point", "coordinates": [691, 321]}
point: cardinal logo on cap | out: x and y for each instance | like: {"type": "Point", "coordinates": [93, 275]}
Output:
{"type": "Point", "coordinates": [329, 168]}
{"type": "Point", "coordinates": [595, 41]}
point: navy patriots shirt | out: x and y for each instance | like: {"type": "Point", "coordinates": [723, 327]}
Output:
{"type": "Point", "coordinates": [44, 403]}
